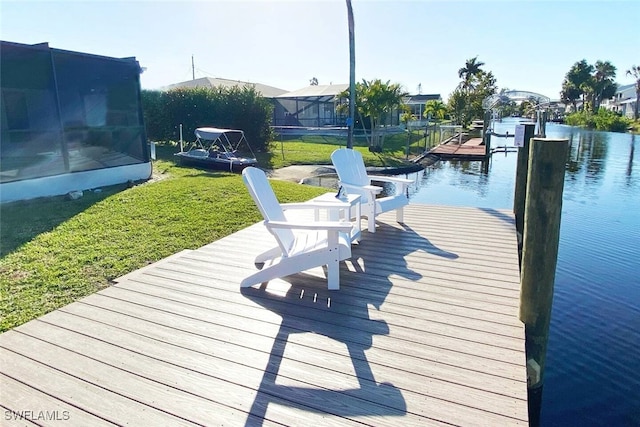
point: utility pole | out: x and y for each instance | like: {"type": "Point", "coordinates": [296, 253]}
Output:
{"type": "Point", "coordinates": [193, 69]}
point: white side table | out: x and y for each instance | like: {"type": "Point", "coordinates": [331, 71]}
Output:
{"type": "Point", "coordinates": [344, 208]}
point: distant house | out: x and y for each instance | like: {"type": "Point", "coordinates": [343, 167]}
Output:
{"type": "Point", "coordinates": [211, 82]}
{"type": "Point", "coordinates": [417, 103]}
{"type": "Point", "coordinates": [624, 101]}
{"type": "Point", "coordinates": [317, 105]}
{"type": "Point", "coordinates": [311, 106]}
{"type": "Point", "coordinates": [69, 121]}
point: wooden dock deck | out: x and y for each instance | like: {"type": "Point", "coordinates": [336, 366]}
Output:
{"type": "Point", "coordinates": [424, 331]}
{"type": "Point", "coordinates": [473, 149]}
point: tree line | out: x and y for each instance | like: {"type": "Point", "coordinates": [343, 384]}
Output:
{"type": "Point", "coordinates": [585, 87]}
{"type": "Point", "coordinates": [589, 84]}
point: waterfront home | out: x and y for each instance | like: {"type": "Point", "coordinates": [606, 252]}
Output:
{"type": "Point", "coordinates": [624, 101]}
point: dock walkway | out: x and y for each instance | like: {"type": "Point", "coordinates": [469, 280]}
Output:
{"type": "Point", "coordinates": [423, 332]}
{"type": "Point", "coordinates": [472, 149]}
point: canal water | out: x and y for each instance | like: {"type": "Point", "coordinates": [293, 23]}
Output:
{"type": "Point", "coordinates": [593, 358]}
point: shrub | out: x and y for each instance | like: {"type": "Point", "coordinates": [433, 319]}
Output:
{"type": "Point", "coordinates": [609, 120]}
{"type": "Point", "coordinates": [235, 108]}
{"type": "Point", "coordinates": [605, 120]}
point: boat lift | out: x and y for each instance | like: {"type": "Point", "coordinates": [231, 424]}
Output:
{"type": "Point", "coordinates": [492, 103]}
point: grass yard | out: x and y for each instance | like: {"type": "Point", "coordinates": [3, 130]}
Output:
{"type": "Point", "coordinates": [54, 251]}
{"type": "Point", "coordinates": [317, 150]}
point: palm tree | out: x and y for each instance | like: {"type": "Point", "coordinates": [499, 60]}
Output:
{"type": "Point", "coordinates": [588, 93]}
{"type": "Point", "coordinates": [472, 68]}
{"type": "Point", "coordinates": [570, 94]}
{"type": "Point", "coordinates": [578, 79]}
{"type": "Point", "coordinates": [604, 86]}
{"type": "Point", "coordinates": [470, 74]}
{"type": "Point", "coordinates": [375, 100]}
{"type": "Point", "coordinates": [379, 100]}
{"type": "Point", "coordinates": [634, 71]}
{"type": "Point", "coordinates": [436, 108]}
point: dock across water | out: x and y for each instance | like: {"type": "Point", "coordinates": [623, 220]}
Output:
{"type": "Point", "coordinates": [424, 331]}
{"type": "Point", "coordinates": [472, 149]}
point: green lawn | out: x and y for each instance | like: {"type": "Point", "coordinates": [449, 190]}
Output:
{"type": "Point", "coordinates": [54, 251]}
{"type": "Point", "coordinates": [318, 149]}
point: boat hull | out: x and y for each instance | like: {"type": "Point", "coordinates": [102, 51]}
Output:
{"type": "Point", "coordinates": [233, 165]}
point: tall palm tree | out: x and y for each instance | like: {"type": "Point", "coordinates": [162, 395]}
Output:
{"type": "Point", "coordinates": [604, 85]}
{"type": "Point", "coordinates": [634, 71]}
{"type": "Point", "coordinates": [570, 94]}
{"type": "Point", "coordinates": [472, 68]}
{"type": "Point", "coordinates": [578, 78]}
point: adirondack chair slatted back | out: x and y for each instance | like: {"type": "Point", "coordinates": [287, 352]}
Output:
{"type": "Point", "coordinates": [353, 176]}
{"type": "Point", "coordinates": [262, 194]}
{"type": "Point", "coordinates": [350, 167]}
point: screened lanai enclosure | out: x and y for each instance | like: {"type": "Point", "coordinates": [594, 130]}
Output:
{"type": "Point", "coordinates": [312, 106]}
{"type": "Point", "coordinates": [70, 121]}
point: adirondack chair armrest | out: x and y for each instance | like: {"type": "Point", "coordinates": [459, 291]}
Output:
{"type": "Point", "coordinates": [400, 183]}
{"type": "Point", "coordinates": [374, 189]}
{"type": "Point", "coordinates": [390, 179]}
{"type": "Point", "coordinates": [314, 225]}
{"type": "Point", "coordinates": [337, 203]}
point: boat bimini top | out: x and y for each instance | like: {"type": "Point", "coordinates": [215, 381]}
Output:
{"type": "Point", "coordinates": [229, 139]}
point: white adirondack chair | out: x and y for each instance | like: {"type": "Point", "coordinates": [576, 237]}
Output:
{"type": "Point", "coordinates": [302, 245]}
{"type": "Point", "coordinates": [353, 178]}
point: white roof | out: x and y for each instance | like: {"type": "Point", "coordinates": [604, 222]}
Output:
{"type": "Point", "coordinates": [212, 82]}
{"type": "Point", "coordinates": [315, 91]}
{"type": "Point", "coordinates": [213, 133]}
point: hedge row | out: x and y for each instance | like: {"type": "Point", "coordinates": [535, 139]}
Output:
{"type": "Point", "coordinates": [233, 108]}
{"type": "Point", "coordinates": [606, 120]}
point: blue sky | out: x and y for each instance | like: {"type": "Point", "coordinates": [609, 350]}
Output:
{"type": "Point", "coordinates": [528, 45]}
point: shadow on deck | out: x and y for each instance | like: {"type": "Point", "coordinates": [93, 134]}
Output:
{"type": "Point", "coordinates": [423, 331]}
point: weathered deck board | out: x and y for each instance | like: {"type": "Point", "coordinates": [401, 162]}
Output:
{"type": "Point", "coordinates": [424, 331]}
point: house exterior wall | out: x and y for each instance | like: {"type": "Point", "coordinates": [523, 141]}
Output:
{"type": "Point", "coordinates": [417, 103]}
{"type": "Point", "coordinates": [624, 100]}
{"type": "Point", "coordinates": [66, 116]}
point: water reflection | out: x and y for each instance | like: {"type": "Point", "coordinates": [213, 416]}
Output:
{"type": "Point", "coordinates": [598, 161]}
{"type": "Point", "coordinates": [630, 164]}
{"type": "Point", "coordinates": [588, 151]}
{"type": "Point", "coordinates": [467, 183]}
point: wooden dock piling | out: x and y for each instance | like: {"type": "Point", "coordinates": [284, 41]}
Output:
{"type": "Point", "coordinates": [486, 135]}
{"type": "Point", "coordinates": [543, 208]}
{"type": "Point", "coordinates": [521, 178]}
